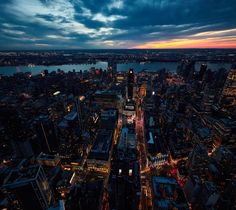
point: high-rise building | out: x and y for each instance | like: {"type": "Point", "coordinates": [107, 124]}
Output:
{"type": "Point", "coordinates": [87, 195]}
{"type": "Point", "coordinates": [99, 156]}
{"type": "Point", "coordinates": [30, 188]}
{"type": "Point", "coordinates": [187, 69]}
{"type": "Point", "coordinates": [228, 97]}
{"type": "Point", "coordinates": [127, 144]}
{"type": "Point", "coordinates": [112, 67]}
{"type": "Point", "coordinates": [202, 71]}
{"type": "Point", "coordinates": [207, 99]}
{"type": "Point", "coordinates": [143, 90]}
{"type": "Point", "coordinates": [224, 133]}
{"type": "Point", "coordinates": [47, 139]}
{"type": "Point", "coordinates": [108, 99]}
{"type": "Point", "coordinates": [124, 185]}
{"type": "Point", "coordinates": [15, 129]}
{"type": "Point", "coordinates": [130, 84]}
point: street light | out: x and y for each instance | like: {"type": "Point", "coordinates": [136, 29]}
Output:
{"type": "Point", "coordinates": [56, 93]}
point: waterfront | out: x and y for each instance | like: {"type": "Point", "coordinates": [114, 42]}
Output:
{"type": "Point", "coordinates": [154, 66]}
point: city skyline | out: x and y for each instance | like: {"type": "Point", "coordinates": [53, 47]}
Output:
{"type": "Point", "coordinates": [141, 24]}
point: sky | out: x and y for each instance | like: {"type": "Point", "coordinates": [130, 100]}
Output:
{"type": "Point", "coordinates": [101, 24]}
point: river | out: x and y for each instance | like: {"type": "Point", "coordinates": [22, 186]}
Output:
{"type": "Point", "coordinates": [155, 66]}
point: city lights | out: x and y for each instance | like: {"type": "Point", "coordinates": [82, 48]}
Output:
{"type": "Point", "coordinates": [117, 105]}
{"type": "Point", "coordinates": [56, 93]}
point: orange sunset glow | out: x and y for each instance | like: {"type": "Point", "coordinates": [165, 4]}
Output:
{"type": "Point", "coordinates": [188, 43]}
{"type": "Point", "coordinates": [117, 24]}
{"type": "Point", "coordinates": [224, 42]}
{"type": "Point", "coordinates": [208, 39]}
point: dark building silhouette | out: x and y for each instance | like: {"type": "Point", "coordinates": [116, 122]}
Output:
{"type": "Point", "coordinates": [85, 196]}
{"type": "Point", "coordinates": [112, 67]}
{"type": "Point", "coordinates": [29, 186]}
{"type": "Point", "coordinates": [228, 95]}
{"type": "Point", "coordinates": [130, 84]}
{"type": "Point", "coordinates": [47, 139]}
{"type": "Point", "coordinates": [208, 76]}
{"type": "Point", "coordinates": [202, 71]}
{"type": "Point", "coordinates": [15, 130]}
{"type": "Point", "coordinates": [187, 70]}
{"type": "Point", "coordinates": [125, 188]}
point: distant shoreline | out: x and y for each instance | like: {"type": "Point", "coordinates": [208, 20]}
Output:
{"type": "Point", "coordinates": [148, 66]}
{"type": "Point", "coordinates": [94, 63]}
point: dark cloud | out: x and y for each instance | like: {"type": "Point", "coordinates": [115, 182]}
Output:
{"type": "Point", "coordinates": [114, 23]}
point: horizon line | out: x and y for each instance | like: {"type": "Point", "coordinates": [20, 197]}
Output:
{"type": "Point", "coordinates": [200, 48]}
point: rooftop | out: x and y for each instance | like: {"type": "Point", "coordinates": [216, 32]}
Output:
{"type": "Point", "coordinates": [102, 145]}
{"type": "Point", "coordinates": [168, 193]}
{"type": "Point", "coordinates": [43, 156]}
{"type": "Point", "coordinates": [22, 175]}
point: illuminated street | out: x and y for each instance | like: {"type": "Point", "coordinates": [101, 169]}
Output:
{"type": "Point", "coordinates": [113, 139]}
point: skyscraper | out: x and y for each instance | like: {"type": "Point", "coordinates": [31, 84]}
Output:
{"type": "Point", "coordinates": [15, 130]}
{"type": "Point", "coordinates": [30, 187]}
{"type": "Point", "coordinates": [112, 67]}
{"type": "Point", "coordinates": [228, 97]}
{"type": "Point", "coordinates": [202, 71]}
{"type": "Point", "coordinates": [130, 84]}
{"type": "Point", "coordinates": [46, 133]}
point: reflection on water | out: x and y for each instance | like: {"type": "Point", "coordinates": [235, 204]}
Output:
{"type": "Point", "coordinates": [155, 66]}
{"type": "Point", "coordinates": [169, 66]}
{"type": "Point", "coordinates": [10, 70]}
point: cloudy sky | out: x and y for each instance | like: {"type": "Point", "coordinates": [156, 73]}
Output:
{"type": "Point", "coordinates": [75, 24]}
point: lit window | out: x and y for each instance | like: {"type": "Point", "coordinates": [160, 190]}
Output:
{"type": "Point", "coordinates": [130, 172]}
